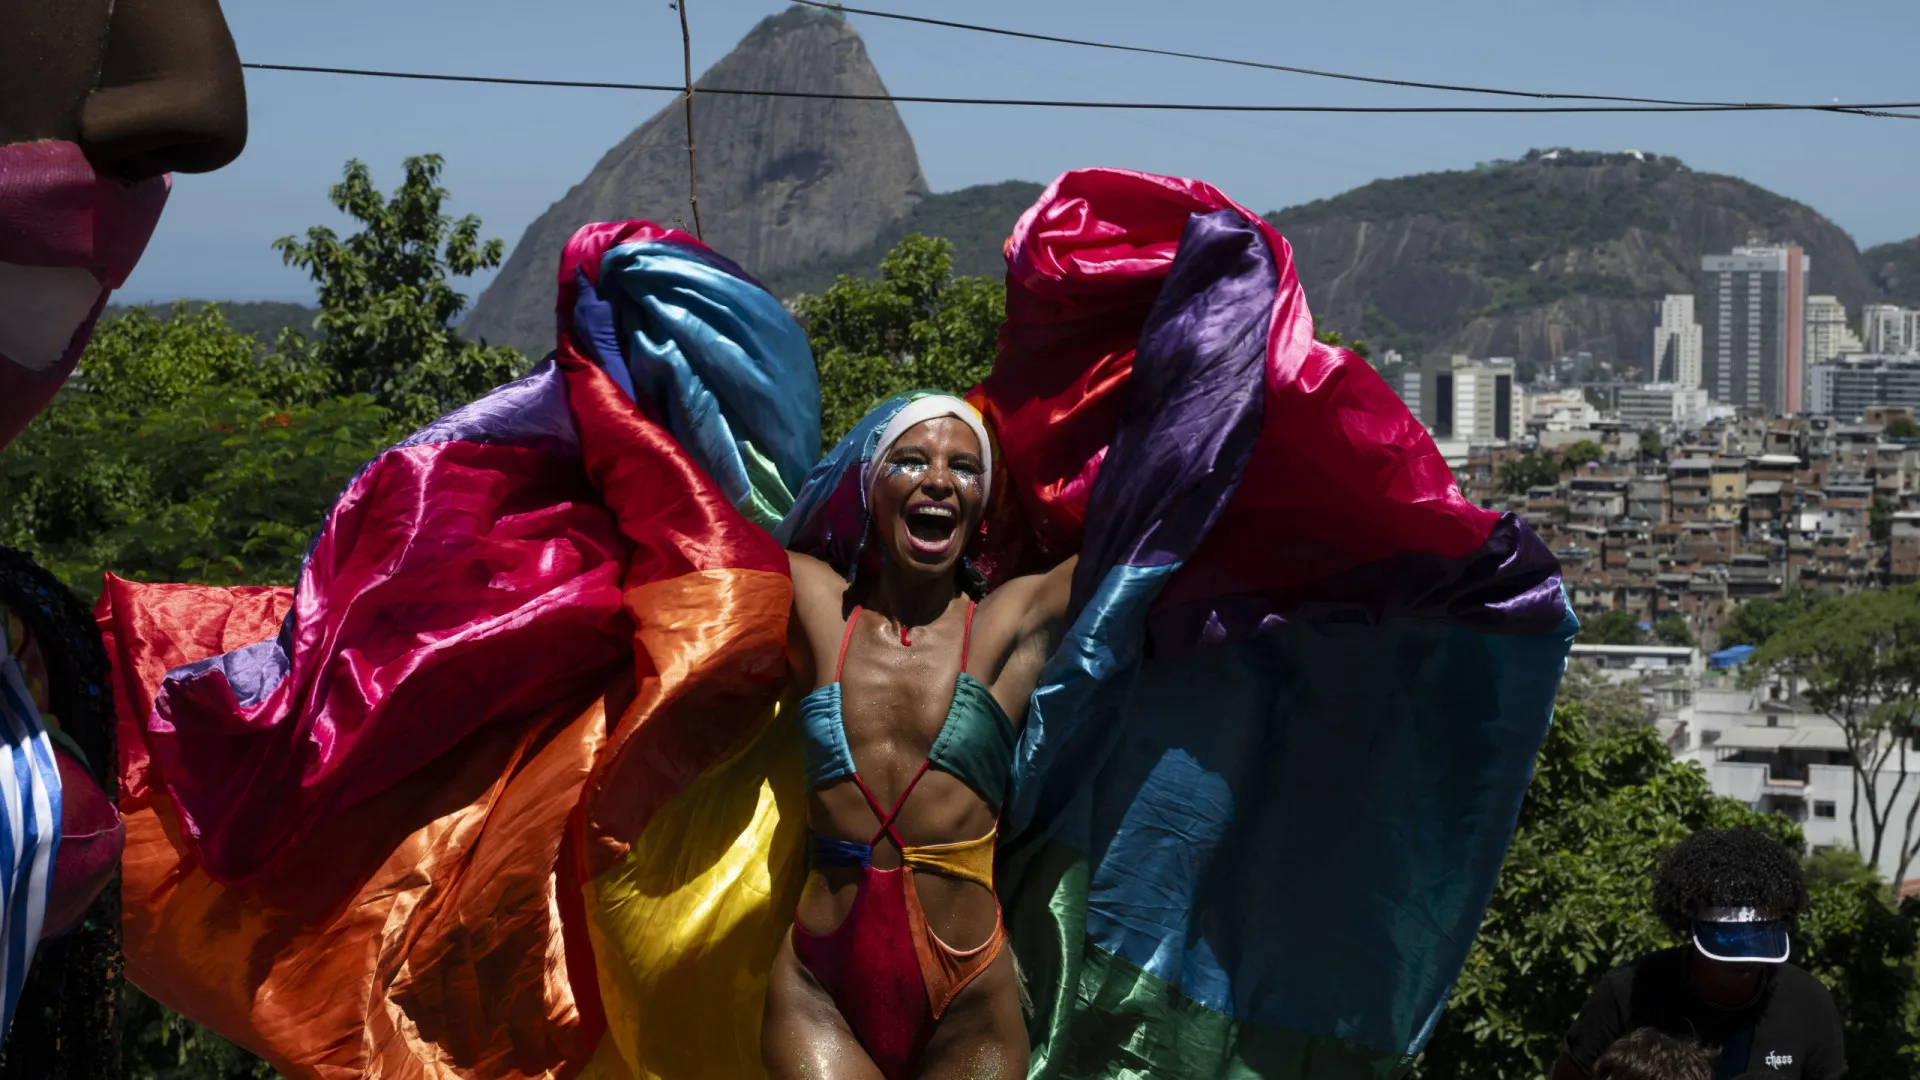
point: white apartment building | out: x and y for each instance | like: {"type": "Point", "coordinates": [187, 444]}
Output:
{"type": "Point", "coordinates": [1663, 405]}
{"type": "Point", "coordinates": [1828, 334]}
{"type": "Point", "coordinates": [1560, 411]}
{"type": "Point", "coordinates": [1767, 753]}
{"type": "Point", "coordinates": [1885, 328]}
{"type": "Point", "coordinates": [1464, 400]}
{"type": "Point", "coordinates": [1676, 343]}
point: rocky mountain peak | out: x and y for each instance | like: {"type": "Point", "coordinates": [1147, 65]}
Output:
{"type": "Point", "coordinates": [784, 182]}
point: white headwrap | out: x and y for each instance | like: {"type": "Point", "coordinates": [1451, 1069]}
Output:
{"type": "Point", "coordinates": [921, 410]}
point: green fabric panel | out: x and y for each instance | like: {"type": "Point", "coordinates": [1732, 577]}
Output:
{"type": "Point", "coordinates": [976, 741]}
{"type": "Point", "coordinates": [769, 500]}
{"type": "Point", "coordinates": [1096, 1015]}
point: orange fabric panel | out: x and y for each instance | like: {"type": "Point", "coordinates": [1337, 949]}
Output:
{"type": "Point", "coordinates": [418, 936]}
{"type": "Point", "coordinates": [710, 659]}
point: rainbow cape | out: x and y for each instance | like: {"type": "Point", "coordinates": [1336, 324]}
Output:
{"type": "Point", "coordinates": [507, 785]}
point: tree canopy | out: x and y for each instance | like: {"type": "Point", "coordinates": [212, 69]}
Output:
{"type": "Point", "coordinates": [387, 305]}
{"type": "Point", "coordinates": [1582, 452]}
{"type": "Point", "coordinates": [181, 453]}
{"type": "Point", "coordinates": [1673, 630]}
{"type": "Point", "coordinates": [1572, 901]}
{"type": "Point", "coordinates": [1856, 659]}
{"type": "Point", "coordinates": [1529, 470]}
{"type": "Point", "coordinates": [1754, 621]}
{"type": "Point", "coordinates": [918, 327]}
{"type": "Point", "coordinates": [1613, 628]}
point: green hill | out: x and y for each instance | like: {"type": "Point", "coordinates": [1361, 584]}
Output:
{"type": "Point", "coordinates": [1560, 252]}
{"type": "Point", "coordinates": [264, 319]}
{"type": "Point", "coordinates": [1897, 268]}
{"type": "Point", "coordinates": [974, 220]}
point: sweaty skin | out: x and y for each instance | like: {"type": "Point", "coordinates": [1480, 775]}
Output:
{"type": "Point", "coordinates": [895, 699]}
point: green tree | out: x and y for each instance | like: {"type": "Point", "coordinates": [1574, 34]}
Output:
{"type": "Point", "coordinates": [1339, 341]}
{"type": "Point", "coordinates": [1880, 519]}
{"type": "Point", "coordinates": [1857, 659]}
{"type": "Point", "coordinates": [1673, 630]}
{"type": "Point", "coordinates": [918, 327]}
{"type": "Point", "coordinates": [181, 453]}
{"type": "Point", "coordinates": [160, 1044]}
{"type": "Point", "coordinates": [1650, 447]}
{"type": "Point", "coordinates": [1572, 901]}
{"type": "Point", "coordinates": [1754, 621]}
{"type": "Point", "coordinates": [1529, 471]}
{"type": "Point", "coordinates": [1607, 704]}
{"type": "Point", "coordinates": [1903, 427]}
{"type": "Point", "coordinates": [1582, 452]}
{"type": "Point", "coordinates": [1613, 628]}
{"type": "Point", "coordinates": [386, 303]}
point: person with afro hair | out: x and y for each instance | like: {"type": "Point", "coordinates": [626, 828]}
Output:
{"type": "Point", "coordinates": [1650, 1054]}
{"type": "Point", "coordinates": [1733, 897]}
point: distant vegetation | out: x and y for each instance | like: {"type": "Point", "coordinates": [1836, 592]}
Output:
{"type": "Point", "coordinates": [973, 221]}
{"type": "Point", "coordinates": [1517, 221]}
{"type": "Point", "coordinates": [260, 319]}
{"type": "Point", "coordinates": [1897, 269]}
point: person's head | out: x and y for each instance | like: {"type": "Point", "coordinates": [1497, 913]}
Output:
{"type": "Point", "coordinates": [99, 101]}
{"type": "Point", "coordinates": [1649, 1054]}
{"type": "Point", "coordinates": [1735, 895]}
{"type": "Point", "coordinates": [927, 486]}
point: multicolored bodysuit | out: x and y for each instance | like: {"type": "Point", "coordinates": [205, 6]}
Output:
{"type": "Point", "coordinates": [890, 975]}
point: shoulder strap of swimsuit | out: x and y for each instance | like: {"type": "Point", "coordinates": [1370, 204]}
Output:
{"type": "Point", "coordinates": [966, 636]}
{"type": "Point", "coordinates": [844, 638]}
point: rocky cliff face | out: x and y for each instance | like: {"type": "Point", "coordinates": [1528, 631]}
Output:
{"type": "Point", "coordinates": [1896, 267]}
{"type": "Point", "coordinates": [784, 182]}
{"type": "Point", "coordinates": [1542, 257]}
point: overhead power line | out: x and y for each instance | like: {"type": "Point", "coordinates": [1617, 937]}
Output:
{"type": "Point", "coordinates": [1289, 68]}
{"type": "Point", "coordinates": [1872, 109]}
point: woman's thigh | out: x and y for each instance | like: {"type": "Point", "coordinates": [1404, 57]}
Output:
{"type": "Point", "coordinates": [983, 1035]}
{"type": "Point", "coordinates": [803, 1036]}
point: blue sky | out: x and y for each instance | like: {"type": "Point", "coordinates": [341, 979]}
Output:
{"type": "Point", "coordinates": [512, 151]}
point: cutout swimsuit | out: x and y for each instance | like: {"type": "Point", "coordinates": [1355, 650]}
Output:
{"type": "Point", "coordinates": [890, 975]}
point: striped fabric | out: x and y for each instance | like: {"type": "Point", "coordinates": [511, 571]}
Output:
{"type": "Point", "coordinates": [29, 827]}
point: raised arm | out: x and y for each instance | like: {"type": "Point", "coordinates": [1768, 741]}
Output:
{"type": "Point", "coordinates": [1048, 615]}
{"type": "Point", "coordinates": [818, 591]}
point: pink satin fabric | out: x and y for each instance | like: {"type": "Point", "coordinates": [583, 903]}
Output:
{"type": "Point", "coordinates": [455, 583]}
{"type": "Point", "coordinates": [1354, 477]}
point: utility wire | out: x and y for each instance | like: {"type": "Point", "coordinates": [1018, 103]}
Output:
{"type": "Point", "coordinates": [1236, 62]}
{"type": "Point", "coordinates": [1867, 109]}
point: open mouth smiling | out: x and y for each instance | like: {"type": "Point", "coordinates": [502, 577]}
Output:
{"type": "Point", "coordinates": [931, 527]}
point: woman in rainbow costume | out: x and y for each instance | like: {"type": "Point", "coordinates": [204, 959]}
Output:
{"type": "Point", "coordinates": [1159, 709]}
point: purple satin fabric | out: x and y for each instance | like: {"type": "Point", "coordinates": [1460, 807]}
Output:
{"type": "Point", "coordinates": [1193, 406]}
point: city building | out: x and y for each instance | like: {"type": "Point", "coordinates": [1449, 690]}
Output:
{"type": "Point", "coordinates": [1851, 385]}
{"type": "Point", "coordinates": [1676, 343]}
{"type": "Point", "coordinates": [1754, 335]}
{"type": "Point", "coordinates": [1885, 328]}
{"type": "Point", "coordinates": [1764, 748]}
{"type": "Point", "coordinates": [1662, 405]}
{"type": "Point", "coordinates": [1559, 411]}
{"type": "Point", "coordinates": [1828, 335]}
{"type": "Point", "coordinates": [1461, 400]}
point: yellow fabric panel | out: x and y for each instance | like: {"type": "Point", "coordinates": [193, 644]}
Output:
{"type": "Point", "coordinates": [968, 860]}
{"type": "Point", "coordinates": [685, 926]}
